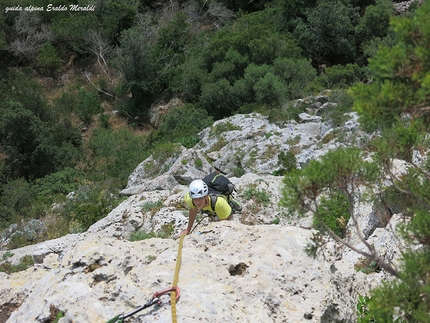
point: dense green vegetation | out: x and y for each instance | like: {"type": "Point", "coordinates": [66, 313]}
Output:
{"type": "Point", "coordinates": [218, 57]}
{"type": "Point", "coordinates": [396, 104]}
{"type": "Point", "coordinates": [64, 72]}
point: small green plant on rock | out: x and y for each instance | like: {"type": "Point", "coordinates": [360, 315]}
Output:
{"type": "Point", "coordinates": [293, 141]}
{"type": "Point", "coordinates": [141, 235]}
{"type": "Point", "coordinates": [25, 263]}
{"type": "Point", "coordinates": [223, 127]}
{"type": "Point", "coordinates": [257, 195]}
{"type": "Point", "coordinates": [162, 153]}
{"type": "Point", "coordinates": [7, 255]}
{"type": "Point", "coordinates": [199, 163]}
{"type": "Point", "coordinates": [238, 171]}
{"type": "Point", "coordinates": [334, 212]}
{"type": "Point", "coordinates": [165, 233]}
{"type": "Point", "coordinates": [56, 314]}
{"type": "Point", "coordinates": [287, 161]}
{"type": "Point", "coordinates": [367, 266]}
{"type": "Point", "coordinates": [151, 206]}
{"type": "Point", "coordinates": [363, 315]}
{"type": "Point", "coordinates": [219, 144]}
{"type": "Point", "coordinates": [151, 258]}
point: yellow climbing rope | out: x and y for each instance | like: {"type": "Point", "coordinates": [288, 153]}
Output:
{"type": "Point", "coordinates": [176, 278]}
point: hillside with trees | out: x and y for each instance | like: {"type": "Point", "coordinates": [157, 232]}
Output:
{"type": "Point", "coordinates": [78, 80]}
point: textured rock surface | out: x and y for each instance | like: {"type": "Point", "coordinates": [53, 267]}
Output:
{"type": "Point", "coordinates": [230, 272]}
{"type": "Point", "coordinates": [244, 270]}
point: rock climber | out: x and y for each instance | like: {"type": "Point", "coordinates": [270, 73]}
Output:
{"type": "Point", "coordinates": [198, 198]}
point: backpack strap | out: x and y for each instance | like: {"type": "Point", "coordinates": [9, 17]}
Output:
{"type": "Point", "coordinates": [213, 201]}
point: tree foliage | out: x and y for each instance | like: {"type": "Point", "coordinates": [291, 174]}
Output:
{"type": "Point", "coordinates": [219, 57]}
{"type": "Point", "coordinates": [134, 61]}
{"type": "Point", "coordinates": [149, 64]}
{"type": "Point", "coordinates": [400, 77]}
{"type": "Point", "coordinates": [181, 125]}
{"type": "Point", "coordinates": [375, 22]}
{"type": "Point", "coordinates": [335, 32]}
{"type": "Point", "coordinates": [29, 129]}
{"type": "Point", "coordinates": [109, 18]}
{"type": "Point", "coordinates": [342, 170]}
{"type": "Point", "coordinates": [248, 62]}
{"type": "Point", "coordinates": [329, 32]}
{"type": "Point", "coordinates": [114, 155]}
{"type": "Point", "coordinates": [401, 81]}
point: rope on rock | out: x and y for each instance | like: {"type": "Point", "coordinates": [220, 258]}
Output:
{"type": "Point", "coordinates": [174, 290]}
{"type": "Point", "coordinates": [176, 278]}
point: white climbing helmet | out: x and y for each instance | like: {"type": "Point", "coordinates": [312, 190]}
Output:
{"type": "Point", "coordinates": [198, 188]}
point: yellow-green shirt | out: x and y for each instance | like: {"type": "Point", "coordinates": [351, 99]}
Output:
{"type": "Point", "coordinates": [222, 208]}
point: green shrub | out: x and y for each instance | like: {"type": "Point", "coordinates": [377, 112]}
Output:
{"type": "Point", "coordinates": [329, 137]}
{"type": "Point", "coordinates": [165, 233]}
{"type": "Point", "coordinates": [58, 316]}
{"type": "Point", "coordinates": [297, 75]}
{"type": "Point", "coordinates": [163, 157]}
{"type": "Point", "coordinates": [374, 29]}
{"type": "Point", "coordinates": [144, 67]}
{"type": "Point", "coordinates": [199, 163]}
{"type": "Point", "coordinates": [165, 151]}
{"type": "Point", "coordinates": [30, 131]}
{"type": "Point", "coordinates": [287, 161]}
{"type": "Point", "coordinates": [72, 31]}
{"type": "Point", "coordinates": [189, 141]}
{"type": "Point", "coordinates": [193, 75]}
{"type": "Point", "coordinates": [341, 76]}
{"type": "Point", "coordinates": [181, 125]}
{"type": "Point", "coordinates": [252, 107]}
{"type": "Point", "coordinates": [334, 212]}
{"type": "Point", "coordinates": [16, 200]}
{"type": "Point", "coordinates": [218, 99]}
{"type": "Point", "coordinates": [261, 85]}
{"type": "Point", "coordinates": [341, 169]}
{"type": "Point", "coordinates": [7, 255]}
{"type": "Point", "coordinates": [87, 105]}
{"type": "Point", "coordinates": [399, 142]}
{"type": "Point", "coordinates": [333, 42]}
{"type": "Point", "coordinates": [150, 206]}
{"type": "Point", "coordinates": [104, 120]}
{"type": "Point", "coordinates": [249, 62]}
{"type": "Point", "coordinates": [24, 263]}
{"type": "Point", "coordinates": [404, 299]}
{"type": "Point", "coordinates": [336, 114]}
{"type": "Point", "coordinates": [221, 142]}
{"type": "Point", "coordinates": [363, 315]}
{"type": "Point", "coordinates": [172, 43]}
{"type": "Point", "coordinates": [48, 58]}
{"type": "Point", "coordinates": [141, 235]}
{"type": "Point", "coordinates": [289, 111]}
{"type": "Point", "coordinates": [259, 196]}
{"type": "Point", "coordinates": [238, 171]}
{"type": "Point", "coordinates": [223, 127]}
{"type": "Point", "coordinates": [114, 154]}
{"type": "Point", "coordinates": [89, 204]}
{"type": "Point", "coordinates": [62, 182]}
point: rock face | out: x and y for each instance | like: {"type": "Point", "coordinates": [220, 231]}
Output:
{"type": "Point", "coordinates": [245, 270]}
{"type": "Point", "coordinates": [229, 272]}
